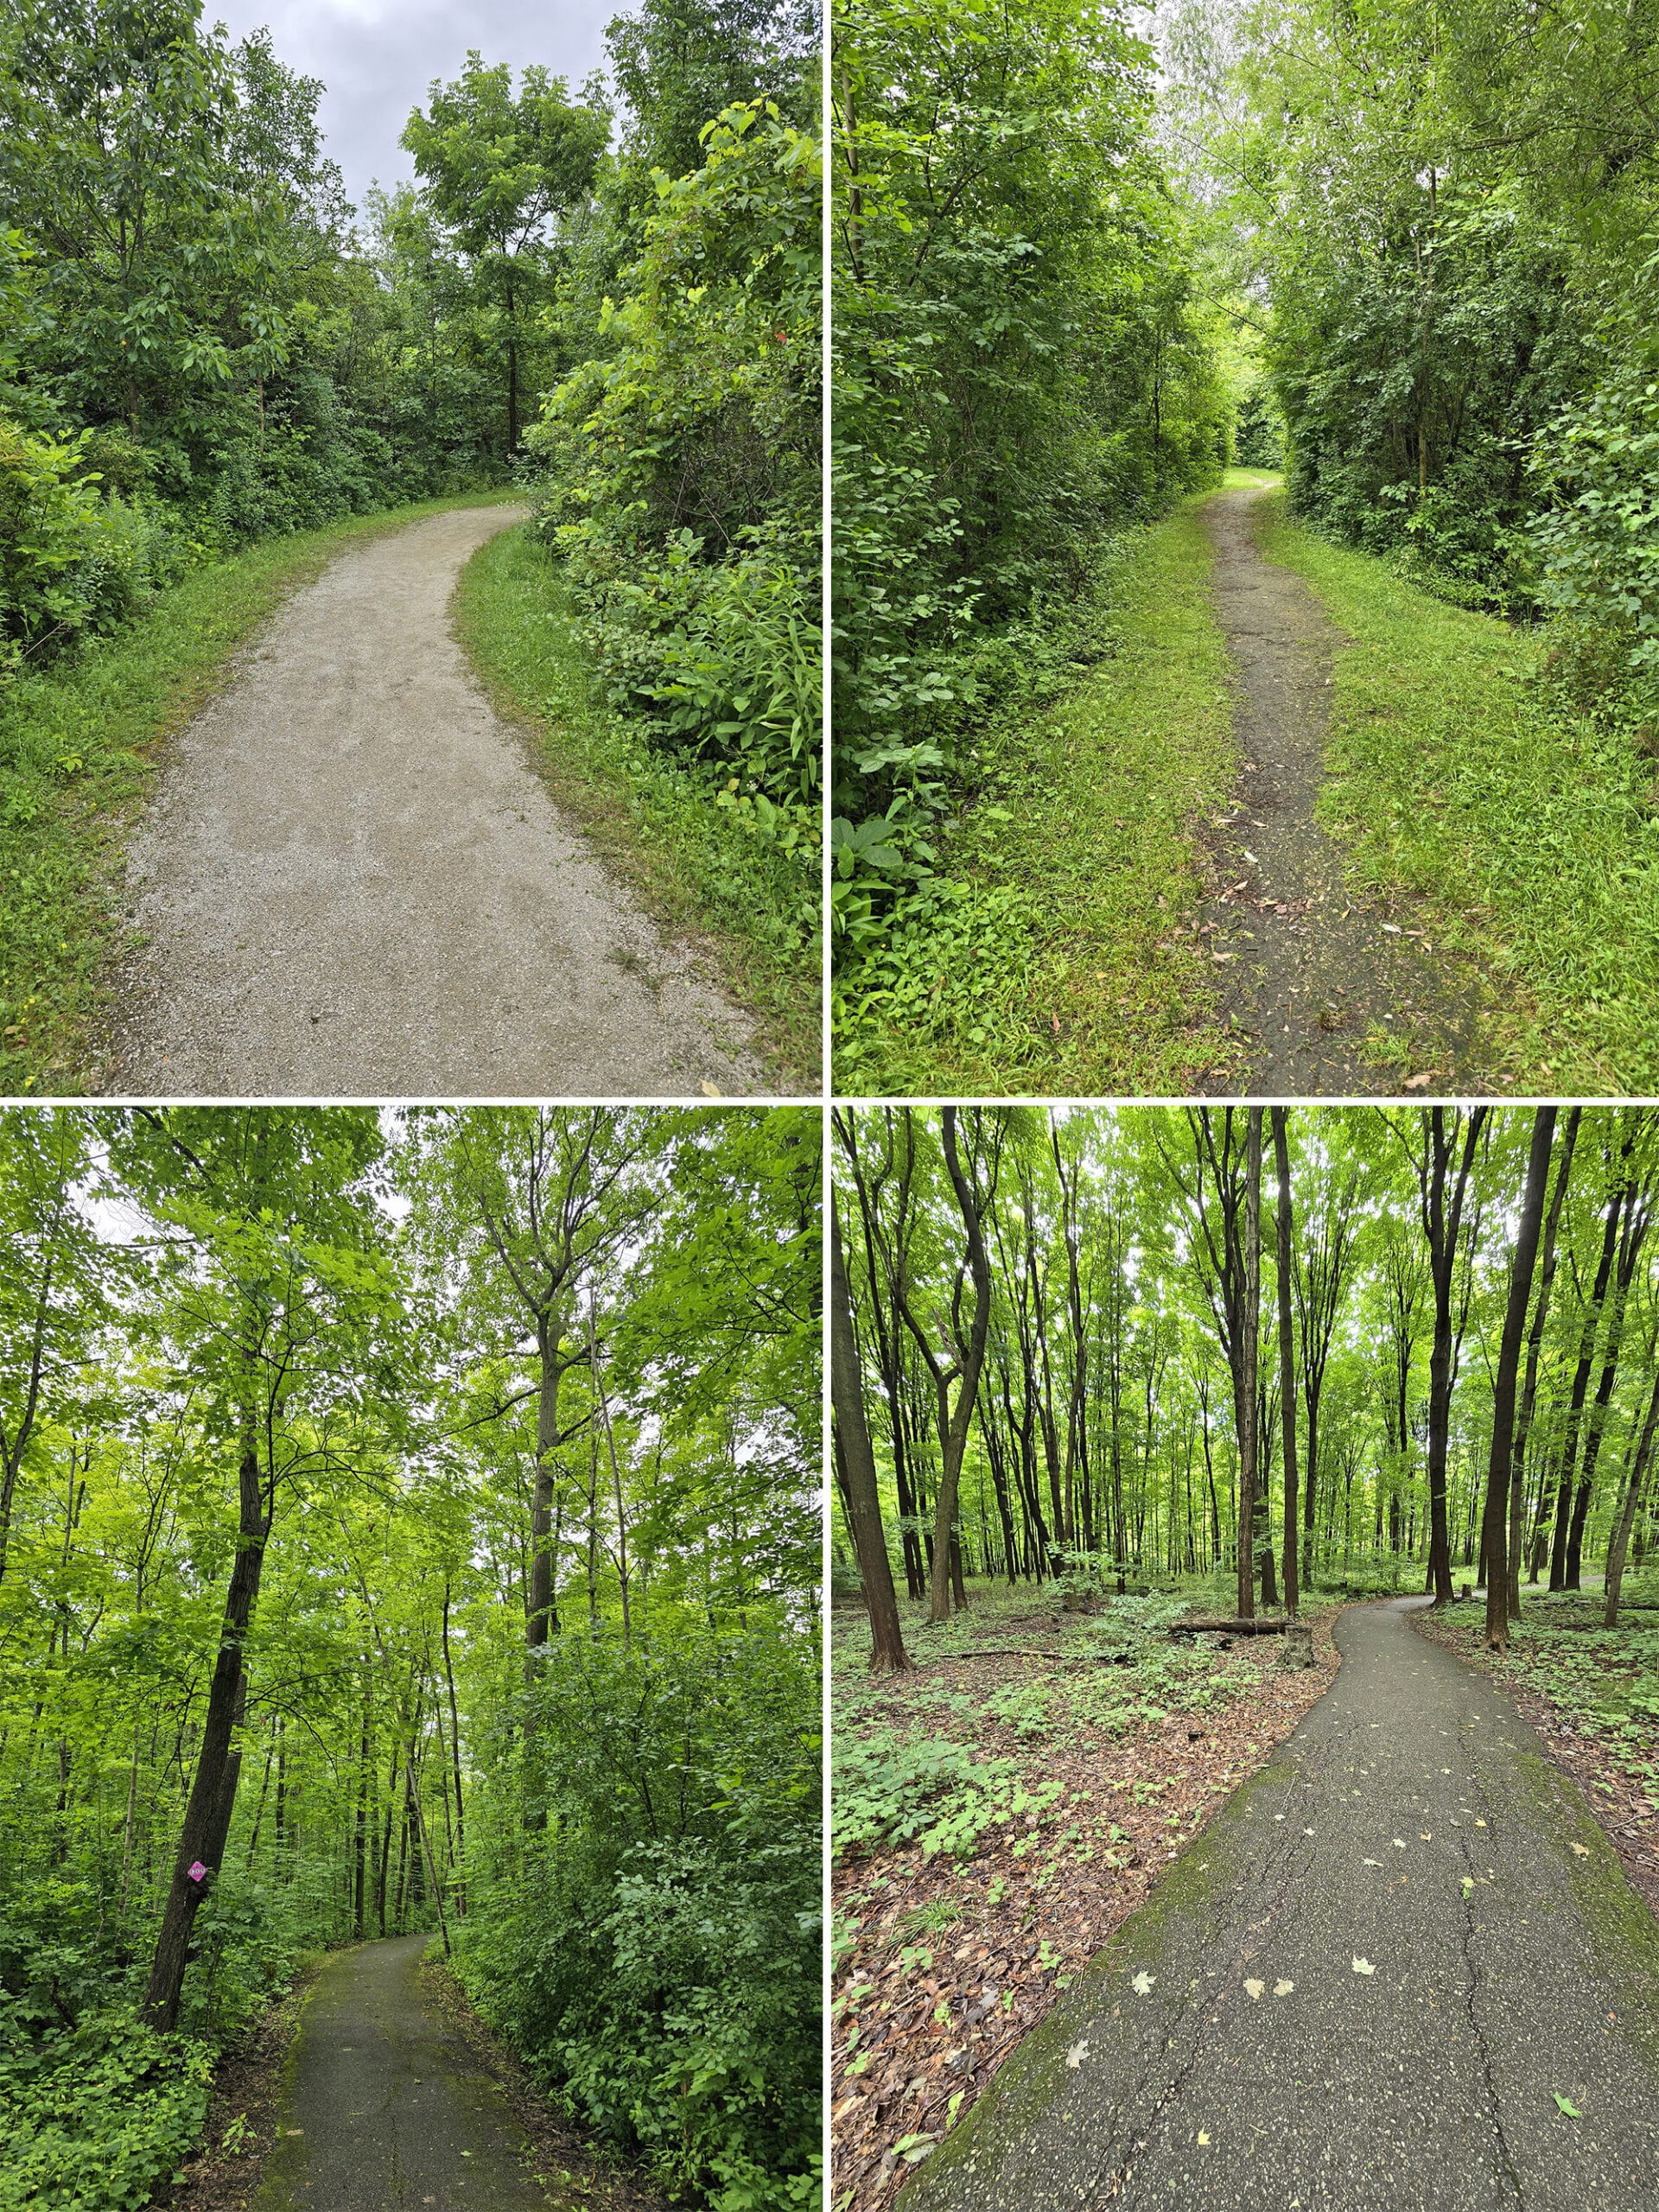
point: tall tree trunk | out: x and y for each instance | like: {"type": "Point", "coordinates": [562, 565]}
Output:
{"type": "Point", "coordinates": [455, 1753]}
{"type": "Point", "coordinates": [1619, 1544]}
{"type": "Point", "coordinates": [213, 1792]}
{"type": "Point", "coordinates": [1494, 1531]}
{"type": "Point", "coordinates": [1535, 1341]}
{"type": "Point", "coordinates": [1244, 1366]}
{"type": "Point", "coordinates": [1287, 1358]}
{"type": "Point", "coordinates": [860, 1490]}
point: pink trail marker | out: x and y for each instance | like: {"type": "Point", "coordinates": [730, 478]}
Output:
{"type": "Point", "coordinates": [197, 1871]}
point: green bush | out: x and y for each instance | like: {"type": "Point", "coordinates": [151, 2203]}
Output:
{"type": "Point", "coordinates": [659, 1963]}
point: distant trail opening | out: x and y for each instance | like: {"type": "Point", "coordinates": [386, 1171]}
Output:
{"type": "Point", "coordinates": [1305, 969]}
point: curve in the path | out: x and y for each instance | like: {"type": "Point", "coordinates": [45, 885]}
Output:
{"type": "Point", "coordinates": [353, 882]}
{"type": "Point", "coordinates": [1225, 2053]}
{"type": "Point", "coordinates": [383, 2109]}
{"type": "Point", "coordinates": [1307, 970]}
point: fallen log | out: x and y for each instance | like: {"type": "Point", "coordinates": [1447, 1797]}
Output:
{"type": "Point", "coordinates": [1263, 1625]}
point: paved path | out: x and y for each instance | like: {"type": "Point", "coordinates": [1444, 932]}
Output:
{"type": "Point", "coordinates": [1412, 1823]}
{"type": "Point", "coordinates": [383, 2107]}
{"type": "Point", "coordinates": [354, 883]}
{"type": "Point", "coordinates": [1307, 984]}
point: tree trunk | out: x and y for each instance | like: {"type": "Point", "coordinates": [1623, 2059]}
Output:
{"type": "Point", "coordinates": [1494, 1531]}
{"type": "Point", "coordinates": [1287, 1358]}
{"type": "Point", "coordinates": [1621, 1538]}
{"type": "Point", "coordinates": [213, 1792]}
{"type": "Point", "coordinates": [1244, 1367]}
{"type": "Point", "coordinates": [1530, 1389]}
{"type": "Point", "coordinates": [861, 1492]}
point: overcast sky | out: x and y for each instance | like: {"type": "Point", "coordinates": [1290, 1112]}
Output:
{"type": "Point", "coordinates": [376, 58]}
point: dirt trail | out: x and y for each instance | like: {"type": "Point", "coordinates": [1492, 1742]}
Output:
{"type": "Point", "coordinates": [1367, 1983]}
{"type": "Point", "coordinates": [353, 882]}
{"type": "Point", "coordinates": [1309, 970]}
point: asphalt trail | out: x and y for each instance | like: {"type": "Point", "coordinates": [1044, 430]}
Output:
{"type": "Point", "coordinates": [1307, 970]}
{"type": "Point", "coordinates": [354, 883]}
{"type": "Point", "coordinates": [1411, 1823]}
{"type": "Point", "coordinates": [383, 2109]}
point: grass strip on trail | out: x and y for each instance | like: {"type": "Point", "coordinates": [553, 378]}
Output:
{"type": "Point", "coordinates": [78, 745]}
{"type": "Point", "coordinates": [1531, 834]}
{"type": "Point", "coordinates": [655, 822]}
{"type": "Point", "coordinates": [1062, 955]}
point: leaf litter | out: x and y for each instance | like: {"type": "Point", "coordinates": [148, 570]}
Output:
{"type": "Point", "coordinates": [944, 1967]}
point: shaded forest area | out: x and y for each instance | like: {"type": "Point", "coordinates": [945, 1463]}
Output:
{"type": "Point", "coordinates": [1404, 256]}
{"type": "Point", "coordinates": [407, 1523]}
{"type": "Point", "coordinates": [610, 297]}
{"type": "Point", "coordinates": [1074, 1353]}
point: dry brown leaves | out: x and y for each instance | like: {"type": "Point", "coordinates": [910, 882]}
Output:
{"type": "Point", "coordinates": [1624, 1811]}
{"type": "Point", "coordinates": [923, 2015]}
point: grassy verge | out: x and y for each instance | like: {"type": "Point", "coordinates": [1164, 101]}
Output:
{"type": "Point", "coordinates": [998, 1812]}
{"type": "Point", "coordinates": [654, 822]}
{"type": "Point", "coordinates": [1048, 963]}
{"type": "Point", "coordinates": [1528, 834]}
{"type": "Point", "coordinates": [78, 745]}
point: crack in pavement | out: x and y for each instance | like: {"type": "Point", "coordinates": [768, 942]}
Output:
{"type": "Point", "coordinates": [1415, 2057]}
{"type": "Point", "coordinates": [1315, 968]}
{"type": "Point", "coordinates": [353, 882]}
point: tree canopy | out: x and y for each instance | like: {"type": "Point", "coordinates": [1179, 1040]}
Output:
{"type": "Point", "coordinates": [408, 1520]}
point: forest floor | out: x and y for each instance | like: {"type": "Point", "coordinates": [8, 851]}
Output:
{"type": "Point", "coordinates": [1403, 1966]}
{"type": "Point", "coordinates": [1338, 996]}
{"type": "Point", "coordinates": [948, 1952]}
{"type": "Point", "coordinates": [375, 2089]}
{"type": "Point", "coordinates": [1591, 1694]}
{"type": "Point", "coordinates": [352, 880]}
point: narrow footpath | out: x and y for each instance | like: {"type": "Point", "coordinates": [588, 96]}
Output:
{"type": "Point", "coordinates": [384, 2109]}
{"type": "Point", "coordinates": [1403, 1969]}
{"type": "Point", "coordinates": [1307, 970]}
{"type": "Point", "coordinates": [352, 881]}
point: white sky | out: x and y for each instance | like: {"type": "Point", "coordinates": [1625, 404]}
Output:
{"type": "Point", "coordinates": [376, 59]}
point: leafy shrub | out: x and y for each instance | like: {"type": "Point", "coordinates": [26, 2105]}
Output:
{"type": "Point", "coordinates": [660, 1965]}
{"type": "Point", "coordinates": [68, 561]}
{"type": "Point", "coordinates": [93, 2118]}
{"type": "Point", "coordinates": [678, 474]}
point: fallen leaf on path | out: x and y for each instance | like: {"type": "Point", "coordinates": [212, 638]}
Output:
{"type": "Point", "coordinates": [1142, 1983]}
{"type": "Point", "coordinates": [1566, 2105]}
{"type": "Point", "coordinates": [1582, 1849]}
{"type": "Point", "coordinates": [1418, 1082]}
{"type": "Point", "coordinates": [1253, 1990]}
{"type": "Point", "coordinates": [1283, 1988]}
{"type": "Point", "coordinates": [1364, 1966]}
{"type": "Point", "coordinates": [1078, 2052]}
{"type": "Point", "coordinates": [709, 1092]}
{"type": "Point", "coordinates": [1203, 2138]}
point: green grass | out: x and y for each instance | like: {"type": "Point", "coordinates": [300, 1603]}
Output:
{"type": "Point", "coordinates": [1055, 961]}
{"type": "Point", "coordinates": [78, 747]}
{"type": "Point", "coordinates": [655, 822]}
{"type": "Point", "coordinates": [1525, 832]}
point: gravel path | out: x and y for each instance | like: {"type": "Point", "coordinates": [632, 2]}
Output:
{"type": "Point", "coordinates": [383, 2109]}
{"type": "Point", "coordinates": [1365, 1985]}
{"type": "Point", "coordinates": [353, 882]}
{"type": "Point", "coordinates": [1307, 970]}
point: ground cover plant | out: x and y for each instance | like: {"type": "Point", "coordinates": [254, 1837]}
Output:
{"type": "Point", "coordinates": [961, 1911]}
{"type": "Point", "coordinates": [405, 1527]}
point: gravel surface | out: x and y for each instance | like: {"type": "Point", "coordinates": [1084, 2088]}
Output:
{"type": "Point", "coordinates": [385, 2108]}
{"type": "Point", "coordinates": [1367, 1984]}
{"type": "Point", "coordinates": [1306, 968]}
{"type": "Point", "coordinates": [354, 883]}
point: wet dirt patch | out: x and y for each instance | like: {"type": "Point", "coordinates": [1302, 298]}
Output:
{"type": "Point", "coordinates": [1316, 980]}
